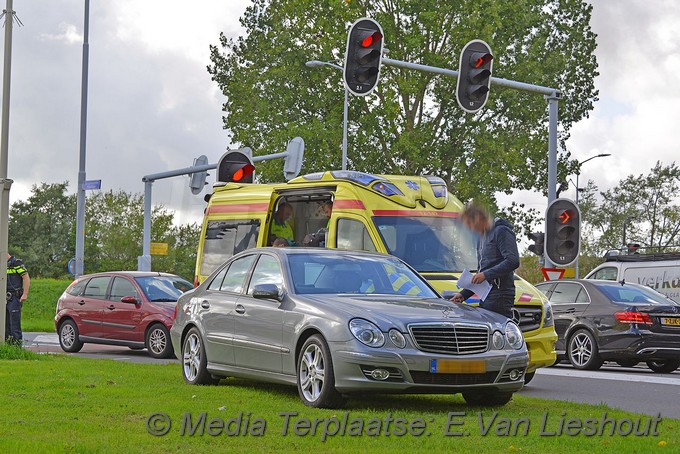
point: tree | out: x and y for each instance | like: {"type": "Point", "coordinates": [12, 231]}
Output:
{"type": "Point", "coordinates": [646, 204]}
{"type": "Point", "coordinates": [41, 229]}
{"type": "Point", "coordinates": [412, 124]}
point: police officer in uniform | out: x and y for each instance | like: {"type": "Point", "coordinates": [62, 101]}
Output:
{"type": "Point", "coordinates": [18, 283]}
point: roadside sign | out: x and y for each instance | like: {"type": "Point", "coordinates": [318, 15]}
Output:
{"type": "Point", "coordinates": [92, 184]}
{"type": "Point", "coordinates": [159, 248]}
{"type": "Point", "coordinates": [569, 273]}
{"type": "Point", "coordinates": [552, 274]}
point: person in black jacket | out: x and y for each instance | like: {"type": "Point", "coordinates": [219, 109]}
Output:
{"type": "Point", "coordinates": [497, 259]}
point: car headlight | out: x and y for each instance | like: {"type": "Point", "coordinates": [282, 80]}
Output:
{"type": "Point", "coordinates": [514, 335]}
{"type": "Point", "coordinates": [397, 338]}
{"type": "Point", "coordinates": [366, 332]}
{"type": "Point", "coordinates": [497, 340]}
{"type": "Point", "coordinates": [548, 319]}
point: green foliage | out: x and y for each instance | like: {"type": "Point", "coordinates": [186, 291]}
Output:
{"type": "Point", "coordinates": [37, 313]}
{"type": "Point", "coordinates": [529, 269]}
{"type": "Point", "coordinates": [14, 352]}
{"type": "Point", "coordinates": [647, 204]}
{"type": "Point", "coordinates": [42, 231]}
{"type": "Point", "coordinates": [412, 124]}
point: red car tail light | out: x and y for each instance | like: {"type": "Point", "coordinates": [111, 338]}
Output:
{"type": "Point", "coordinates": [174, 313]}
{"type": "Point", "coordinates": [633, 317]}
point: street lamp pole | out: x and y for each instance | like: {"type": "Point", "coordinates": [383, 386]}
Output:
{"type": "Point", "coordinates": [601, 155]}
{"type": "Point", "coordinates": [315, 64]}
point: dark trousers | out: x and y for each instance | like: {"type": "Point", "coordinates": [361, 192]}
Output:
{"type": "Point", "coordinates": [499, 303]}
{"type": "Point", "coordinates": [13, 332]}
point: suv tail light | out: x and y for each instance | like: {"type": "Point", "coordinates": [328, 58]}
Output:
{"type": "Point", "coordinates": [195, 281]}
{"type": "Point", "coordinates": [633, 317]}
{"type": "Point", "coordinates": [174, 313]}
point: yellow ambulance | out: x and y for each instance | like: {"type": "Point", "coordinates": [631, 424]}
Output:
{"type": "Point", "coordinates": [412, 217]}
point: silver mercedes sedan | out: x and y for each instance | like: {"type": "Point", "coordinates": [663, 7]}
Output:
{"type": "Point", "coordinates": [337, 323]}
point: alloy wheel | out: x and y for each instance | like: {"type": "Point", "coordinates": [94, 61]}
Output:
{"type": "Point", "coordinates": [191, 359]}
{"type": "Point", "coordinates": [157, 341]}
{"type": "Point", "coordinates": [312, 372]}
{"type": "Point", "coordinates": [68, 335]}
{"type": "Point", "coordinates": [581, 349]}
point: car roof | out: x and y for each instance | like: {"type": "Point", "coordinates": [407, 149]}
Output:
{"type": "Point", "coordinates": [130, 274]}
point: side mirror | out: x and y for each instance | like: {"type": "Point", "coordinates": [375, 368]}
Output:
{"type": "Point", "coordinates": [267, 291]}
{"type": "Point", "coordinates": [448, 294]}
{"type": "Point", "coordinates": [129, 300]}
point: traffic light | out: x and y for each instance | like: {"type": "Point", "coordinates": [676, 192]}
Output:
{"type": "Point", "coordinates": [235, 166]}
{"type": "Point", "coordinates": [562, 232]}
{"type": "Point", "coordinates": [294, 154]}
{"type": "Point", "coordinates": [474, 75]}
{"type": "Point", "coordinates": [197, 180]}
{"type": "Point", "coordinates": [538, 247]}
{"type": "Point", "coordinates": [363, 56]}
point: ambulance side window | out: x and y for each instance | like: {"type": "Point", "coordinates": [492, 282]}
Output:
{"type": "Point", "coordinates": [226, 238]}
{"type": "Point", "coordinates": [353, 235]}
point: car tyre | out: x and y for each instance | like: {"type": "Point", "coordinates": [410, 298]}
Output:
{"type": "Point", "coordinates": [69, 337]}
{"type": "Point", "coordinates": [627, 362]}
{"type": "Point", "coordinates": [158, 342]}
{"type": "Point", "coordinates": [315, 376]}
{"type": "Point", "coordinates": [487, 398]}
{"type": "Point", "coordinates": [582, 351]}
{"type": "Point", "coordinates": [528, 377]}
{"type": "Point", "coordinates": [665, 366]}
{"type": "Point", "coordinates": [194, 360]}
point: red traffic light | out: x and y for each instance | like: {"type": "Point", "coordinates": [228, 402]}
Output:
{"type": "Point", "coordinates": [371, 39]}
{"type": "Point", "coordinates": [243, 172]}
{"type": "Point", "coordinates": [564, 217]}
{"type": "Point", "coordinates": [479, 59]}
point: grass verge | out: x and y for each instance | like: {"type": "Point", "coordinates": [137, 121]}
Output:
{"type": "Point", "coordinates": [37, 313]}
{"type": "Point", "coordinates": [75, 404]}
{"type": "Point", "coordinates": [8, 351]}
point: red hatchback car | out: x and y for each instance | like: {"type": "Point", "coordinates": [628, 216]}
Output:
{"type": "Point", "coordinates": [129, 308]}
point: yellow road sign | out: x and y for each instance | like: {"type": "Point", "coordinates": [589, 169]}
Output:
{"type": "Point", "coordinates": [159, 248]}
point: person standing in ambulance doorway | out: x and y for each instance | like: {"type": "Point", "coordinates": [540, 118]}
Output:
{"type": "Point", "coordinates": [497, 259]}
{"type": "Point", "coordinates": [18, 283]}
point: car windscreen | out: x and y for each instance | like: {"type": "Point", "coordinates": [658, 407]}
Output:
{"type": "Point", "coordinates": [317, 273]}
{"type": "Point", "coordinates": [429, 244]}
{"type": "Point", "coordinates": [633, 294]}
{"type": "Point", "coordinates": [163, 288]}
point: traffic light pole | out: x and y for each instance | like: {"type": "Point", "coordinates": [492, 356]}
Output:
{"type": "Point", "coordinates": [552, 96]}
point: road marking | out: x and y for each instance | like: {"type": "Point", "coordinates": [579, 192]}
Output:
{"type": "Point", "coordinates": [640, 378]}
{"type": "Point", "coordinates": [46, 339]}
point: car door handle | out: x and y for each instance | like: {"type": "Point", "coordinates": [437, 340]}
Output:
{"type": "Point", "coordinates": [81, 302]}
{"type": "Point", "coordinates": [111, 307]}
{"type": "Point", "coordinates": [571, 310]}
{"type": "Point", "coordinates": [240, 309]}
{"type": "Point", "coordinates": [205, 304]}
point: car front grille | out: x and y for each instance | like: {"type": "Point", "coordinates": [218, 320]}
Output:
{"type": "Point", "coordinates": [529, 317]}
{"type": "Point", "coordinates": [451, 338]}
{"type": "Point", "coordinates": [428, 378]}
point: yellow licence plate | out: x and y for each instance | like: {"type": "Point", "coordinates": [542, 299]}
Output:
{"type": "Point", "coordinates": [457, 366]}
{"type": "Point", "coordinates": [670, 321]}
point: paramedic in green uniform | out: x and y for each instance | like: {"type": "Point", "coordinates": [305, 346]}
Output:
{"type": "Point", "coordinates": [281, 227]}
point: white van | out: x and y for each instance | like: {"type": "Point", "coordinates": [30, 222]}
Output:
{"type": "Point", "coordinates": [659, 271]}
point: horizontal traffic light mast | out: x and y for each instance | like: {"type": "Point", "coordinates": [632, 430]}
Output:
{"type": "Point", "coordinates": [234, 165]}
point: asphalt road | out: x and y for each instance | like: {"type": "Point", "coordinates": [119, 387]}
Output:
{"type": "Point", "coordinates": [49, 343]}
{"type": "Point", "coordinates": [635, 389]}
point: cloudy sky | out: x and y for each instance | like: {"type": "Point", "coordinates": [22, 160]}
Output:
{"type": "Point", "coordinates": [152, 106]}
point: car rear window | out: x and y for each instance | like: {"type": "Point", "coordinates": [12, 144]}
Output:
{"type": "Point", "coordinates": [163, 288]}
{"type": "Point", "coordinates": [631, 294]}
